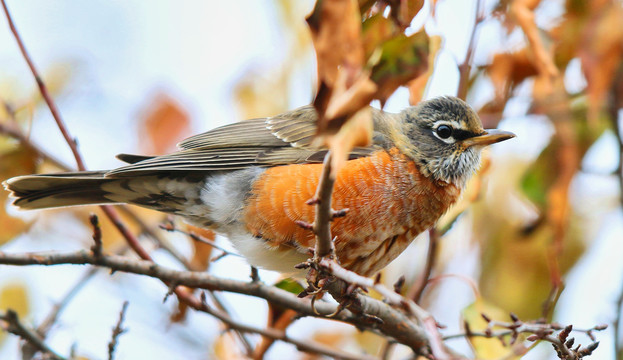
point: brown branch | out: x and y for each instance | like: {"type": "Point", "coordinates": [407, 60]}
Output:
{"type": "Point", "coordinates": [545, 332]}
{"type": "Point", "coordinates": [276, 334]}
{"type": "Point", "coordinates": [152, 233]}
{"type": "Point", "coordinates": [117, 331]}
{"type": "Point", "coordinates": [15, 327]}
{"type": "Point", "coordinates": [394, 323]}
{"type": "Point", "coordinates": [466, 65]}
{"type": "Point", "coordinates": [13, 130]}
{"type": "Point", "coordinates": [169, 226]}
{"type": "Point", "coordinates": [44, 92]}
{"type": "Point", "coordinates": [322, 219]}
{"type": "Point", "coordinates": [417, 289]}
{"type": "Point", "coordinates": [429, 331]}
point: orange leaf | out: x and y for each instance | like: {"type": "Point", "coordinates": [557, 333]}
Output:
{"type": "Point", "coordinates": [336, 32]}
{"type": "Point", "coordinates": [203, 252]}
{"type": "Point", "coordinates": [163, 124]}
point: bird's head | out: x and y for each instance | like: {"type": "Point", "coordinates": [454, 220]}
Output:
{"type": "Point", "coordinates": [444, 136]}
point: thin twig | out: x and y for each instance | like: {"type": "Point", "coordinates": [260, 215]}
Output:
{"type": "Point", "coordinates": [417, 289]}
{"type": "Point", "coordinates": [276, 334]}
{"type": "Point", "coordinates": [15, 327]}
{"type": "Point", "coordinates": [151, 232]}
{"type": "Point", "coordinates": [117, 331]}
{"type": "Point", "coordinates": [49, 320]}
{"type": "Point", "coordinates": [170, 227]}
{"type": "Point", "coordinates": [13, 130]}
{"type": "Point", "coordinates": [97, 235]}
{"type": "Point", "coordinates": [563, 344]}
{"type": "Point", "coordinates": [44, 92]}
{"type": "Point", "coordinates": [466, 65]}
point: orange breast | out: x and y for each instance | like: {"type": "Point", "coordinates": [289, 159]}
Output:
{"type": "Point", "coordinates": [390, 203]}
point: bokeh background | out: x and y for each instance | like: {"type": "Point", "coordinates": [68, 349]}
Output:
{"type": "Point", "coordinates": [136, 77]}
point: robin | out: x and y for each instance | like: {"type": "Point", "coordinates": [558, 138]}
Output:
{"type": "Point", "coordinates": [250, 181]}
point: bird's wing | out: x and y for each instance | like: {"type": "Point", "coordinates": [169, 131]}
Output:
{"type": "Point", "coordinates": [294, 128]}
{"type": "Point", "coordinates": [279, 140]}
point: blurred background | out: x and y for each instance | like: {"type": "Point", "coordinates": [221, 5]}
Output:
{"type": "Point", "coordinates": [539, 231]}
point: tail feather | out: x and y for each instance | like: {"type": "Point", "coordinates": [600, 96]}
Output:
{"type": "Point", "coordinates": [56, 190]}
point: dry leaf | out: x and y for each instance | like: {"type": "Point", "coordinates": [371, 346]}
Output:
{"type": "Point", "coordinates": [403, 58]}
{"type": "Point", "coordinates": [279, 319]}
{"type": "Point", "coordinates": [14, 162]}
{"type": "Point", "coordinates": [202, 252]}
{"type": "Point", "coordinates": [336, 32]}
{"type": "Point", "coordinates": [163, 124]}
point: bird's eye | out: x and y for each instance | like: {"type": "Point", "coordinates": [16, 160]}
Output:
{"type": "Point", "coordinates": [444, 131]}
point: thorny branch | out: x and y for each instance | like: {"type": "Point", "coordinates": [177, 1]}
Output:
{"type": "Point", "coordinates": [561, 342]}
{"type": "Point", "coordinates": [324, 213]}
{"type": "Point", "coordinates": [14, 326]}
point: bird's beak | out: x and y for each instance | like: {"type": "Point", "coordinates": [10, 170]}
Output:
{"type": "Point", "coordinates": [488, 137]}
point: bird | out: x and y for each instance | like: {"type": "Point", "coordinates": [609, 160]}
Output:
{"type": "Point", "coordinates": [250, 181]}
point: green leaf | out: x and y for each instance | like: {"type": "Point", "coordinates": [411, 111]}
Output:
{"type": "Point", "coordinates": [290, 285]}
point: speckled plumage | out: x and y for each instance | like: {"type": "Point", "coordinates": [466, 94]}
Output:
{"type": "Point", "coordinates": [250, 181]}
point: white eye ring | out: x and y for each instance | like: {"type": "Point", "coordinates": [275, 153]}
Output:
{"type": "Point", "coordinates": [444, 132]}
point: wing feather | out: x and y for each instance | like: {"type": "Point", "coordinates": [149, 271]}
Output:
{"type": "Point", "coordinates": [279, 140]}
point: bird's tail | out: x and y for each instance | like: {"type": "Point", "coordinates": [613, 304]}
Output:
{"type": "Point", "coordinates": [56, 190]}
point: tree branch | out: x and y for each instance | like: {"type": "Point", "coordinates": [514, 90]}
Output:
{"type": "Point", "coordinates": [14, 326]}
{"type": "Point", "coordinates": [417, 289]}
{"type": "Point", "coordinates": [117, 331]}
{"type": "Point", "coordinates": [546, 332]}
{"type": "Point", "coordinates": [394, 323]}
{"type": "Point", "coordinates": [427, 335]}
{"type": "Point", "coordinates": [275, 334]}
{"type": "Point", "coordinates": [466, 65]}
{"type": "Point", "coordinates": [44, 91]}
